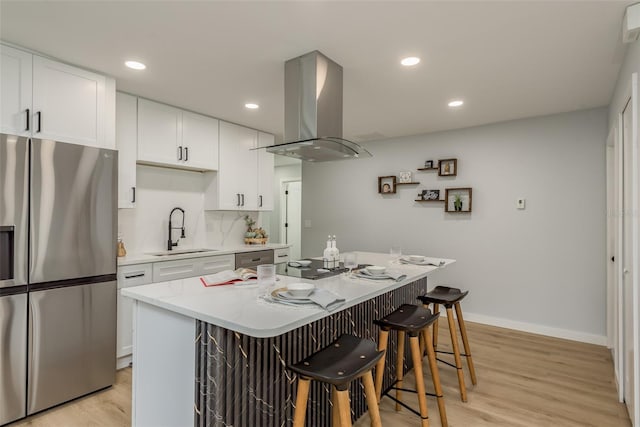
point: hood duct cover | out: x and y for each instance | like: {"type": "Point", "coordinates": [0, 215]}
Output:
{"type": "Point", "coordinates": [313, 112]}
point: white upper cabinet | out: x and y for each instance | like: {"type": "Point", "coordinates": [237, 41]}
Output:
{"type": "Point", "coordinates": [265, 172]}
{"type": "Point", "coordinates": [200, 140]}
{"type": "Point", "coordinates": [172, 137]}
{"type": "Point", "coordinates": [50, 100]}
{"type": "Point", "coordinates": [159, 133]}
{"type": "Point", "coordinates": [244, 180]}
{"type": "Point", "coordinates": [68, 103]}
{"type": "Point", "coordinates": [15, 91]}
{"type": "Point", "coordinates": [126, 143]}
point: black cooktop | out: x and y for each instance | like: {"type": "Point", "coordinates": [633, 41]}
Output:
{"type": "Point", "coordinates": [313, 272]}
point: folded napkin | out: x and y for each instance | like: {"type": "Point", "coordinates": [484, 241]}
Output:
{"type": "Point", "coordinates": [392, 275]}
{"type": "Point", "coordinates": [425, 262]}
{"type": "Point", "coordinates": [326, 299]}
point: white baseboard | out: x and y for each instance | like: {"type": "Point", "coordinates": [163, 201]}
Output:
{"type": "Point", "coordinates": [537, 329]}
{"type": "Point", "coordinates": [123, 362]}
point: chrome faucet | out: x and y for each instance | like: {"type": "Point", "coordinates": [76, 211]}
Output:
{"type": "Point", "coordinates": [170, 243]}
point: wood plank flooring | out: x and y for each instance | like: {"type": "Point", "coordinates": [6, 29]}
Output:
{"type": "Point", "coordinates": [523, 380]}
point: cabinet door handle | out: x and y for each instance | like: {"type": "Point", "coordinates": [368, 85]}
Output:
{"type": "Point", "coordinates": [256, 259]}
{"type": "Point", "coordinates": [242, 199]}
{"type": "Point", "coordinates": [238, 194]}
{"type": "Point", "coordinates": [282, 256]}
{"type": "Point", "coordinates": [39, 114]}
{"type": "Point", "coordinates": [133, 199]}
{"type": "Point", "coordinates": [260, 200]}
{"type": "Point", "coordinates": [186, 154]}
{"type": "Point", "coordinates": [180, 152]}
{"type": "Point", "coordinates": [134, 276]}
{"type": "Point", "coordinates": [28, 115]}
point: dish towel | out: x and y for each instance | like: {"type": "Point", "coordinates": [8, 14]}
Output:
{"type": "Point", "coordinates": [326, 299]}
{"type": "Point", "coordinates": [425, 262]}
{"type": "Point", "coordinates": [393, 275]}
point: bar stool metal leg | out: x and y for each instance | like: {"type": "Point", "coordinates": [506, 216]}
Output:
{"type": "Point", "coordinates": [382, 345]}
{"type": "Point", "coordinates": [372, 399]}
{"type": "Point", "coordinates": [417, 366]}
{"type": "Point", "coordinates": [456, 354]}
{"type": "Point", "coordinates": [435, 376]}
{"type": "Point", "coordinates": [399, 369]}
{"type": "Point", "coordinates": [465, 342]}
{"type": "Point", "coordinates": [301, 402]}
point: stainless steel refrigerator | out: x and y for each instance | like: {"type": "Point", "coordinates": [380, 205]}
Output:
{"type": "Point", "coordinates": [58, 222]}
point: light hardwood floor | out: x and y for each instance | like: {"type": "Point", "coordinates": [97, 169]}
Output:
{"type": "Point", "coordinates": [523, 380]}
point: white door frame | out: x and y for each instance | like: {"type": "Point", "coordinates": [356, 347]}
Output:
{"type": "Point", "coordinates": [283, 208]}
{"type": "Point", "coordinates": [635, 248]}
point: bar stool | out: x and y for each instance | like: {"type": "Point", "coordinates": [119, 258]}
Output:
{"type": "Point", "coordinates": [451, 297]}
{"type": "Point", "coordinates": [414, 321]}
{"type": "Point", "coordinates": [341, 362]}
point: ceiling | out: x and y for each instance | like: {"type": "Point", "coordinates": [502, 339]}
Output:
{"type": "Point", "coordinates": [507, 60]}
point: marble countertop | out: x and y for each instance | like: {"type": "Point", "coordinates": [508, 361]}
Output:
{"type": "Point", "coordinates": [131, 259]}
{"type": "Point", "coordinates": [239, 309]}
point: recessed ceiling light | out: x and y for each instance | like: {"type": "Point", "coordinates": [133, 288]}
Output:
{"type": "Point", "coordinates": [135, 65]}
{"type": "Point", "coordinates": [251, 106]}
{"type": "Point", "coordinates": [456, 103]}
{"type": "Point", "coordinates": [410, 61]}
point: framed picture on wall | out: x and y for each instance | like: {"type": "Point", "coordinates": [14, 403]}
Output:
{"type": "Point", "coordinates": [430, 194]}
{"type": "Point", "coordinates": [448, 167]}
{"type": "Point", "coordinates": [428, 164]}
{"type": "Point", "coordinates": [457, 200]}
{"type": "Point", "coordinates": [386, 184]}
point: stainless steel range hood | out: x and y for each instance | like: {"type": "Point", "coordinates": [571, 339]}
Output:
{"type": "Point", "coordinates": [313, 112]}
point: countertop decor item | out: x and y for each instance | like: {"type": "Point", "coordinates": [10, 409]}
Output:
{"type": "Point", "coordinates": [254, 236]}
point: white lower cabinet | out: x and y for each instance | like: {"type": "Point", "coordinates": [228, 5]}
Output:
{"type": "Point", "coordinates": [191, 267]}
{"type": "Point", "coordinates": [128, 276]}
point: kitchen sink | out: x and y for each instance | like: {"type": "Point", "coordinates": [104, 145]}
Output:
{"type": "Point", "coordinates": [181, 252]}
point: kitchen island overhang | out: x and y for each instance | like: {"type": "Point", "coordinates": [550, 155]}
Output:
{"type": "Point", "coordinates": [224, 353]}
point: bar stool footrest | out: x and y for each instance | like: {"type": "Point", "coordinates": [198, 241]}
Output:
{"type": "Point", "coordinates": [408, 407]}
{"type": "Point", "coordinates": [451, 353]}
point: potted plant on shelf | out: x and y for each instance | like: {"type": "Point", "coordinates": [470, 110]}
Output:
{"type": "Point", "coordinates": [457, 202]}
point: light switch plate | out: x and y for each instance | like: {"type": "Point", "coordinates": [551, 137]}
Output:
{"type": "Point", "coordinates": [520, 203]}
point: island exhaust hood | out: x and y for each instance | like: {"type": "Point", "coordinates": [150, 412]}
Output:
{"type": "Point", "coordinates": [313, 112]}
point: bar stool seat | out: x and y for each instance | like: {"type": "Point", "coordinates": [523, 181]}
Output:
{"type": "Point", "coordinates": [414, 321]}
{"type": "Point", "coordinates": [450, 298]}
{"type": "Point", "coordinates": [338, 364]}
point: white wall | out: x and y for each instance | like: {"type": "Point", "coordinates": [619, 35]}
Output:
{"type": "Point", "coordinates": [144, 229]}
{"type": "Point", "coordinates": [540, 269]}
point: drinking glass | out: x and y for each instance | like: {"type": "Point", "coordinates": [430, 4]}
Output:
{"type": "Point", "coordinates": [350, 261]}
{"type": "Point", "coordinates": [266, 278]}
{"type": "Point", "coordinates": [396, 252]}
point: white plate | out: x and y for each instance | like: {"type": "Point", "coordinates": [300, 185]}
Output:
{"type": "Point", "coordinates": [372, 277]}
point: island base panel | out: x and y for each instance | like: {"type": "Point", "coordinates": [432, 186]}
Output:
{"type": "Point", "coordinates": [242, 381]}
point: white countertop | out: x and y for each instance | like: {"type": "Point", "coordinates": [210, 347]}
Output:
{"type": "Point", "coordinates": [238, 308]}
{"type": "Point", "coordinates": [131, 259]}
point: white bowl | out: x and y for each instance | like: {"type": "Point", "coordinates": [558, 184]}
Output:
{"type": "Point", "coordinates": [376, 269]}
{"type": "Point", "coordinates": [416, 258]}
{"type": "Point", "coordinates": [300, 289]}
{"type": "Point", "coordinates": [303, 262]}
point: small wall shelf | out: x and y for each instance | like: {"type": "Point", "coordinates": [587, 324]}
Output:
{"type": "Point", "coordinates": [465, 197]}
{"type": "Point", "coordinates": [407, 183]}
{"type": "Point", "coordinates": [420, 200]}
{"type": "Point", "coordinates": [427, 169]}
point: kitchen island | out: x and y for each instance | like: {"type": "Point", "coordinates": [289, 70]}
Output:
{"type": "Point", "coordinates": [217, 356]}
